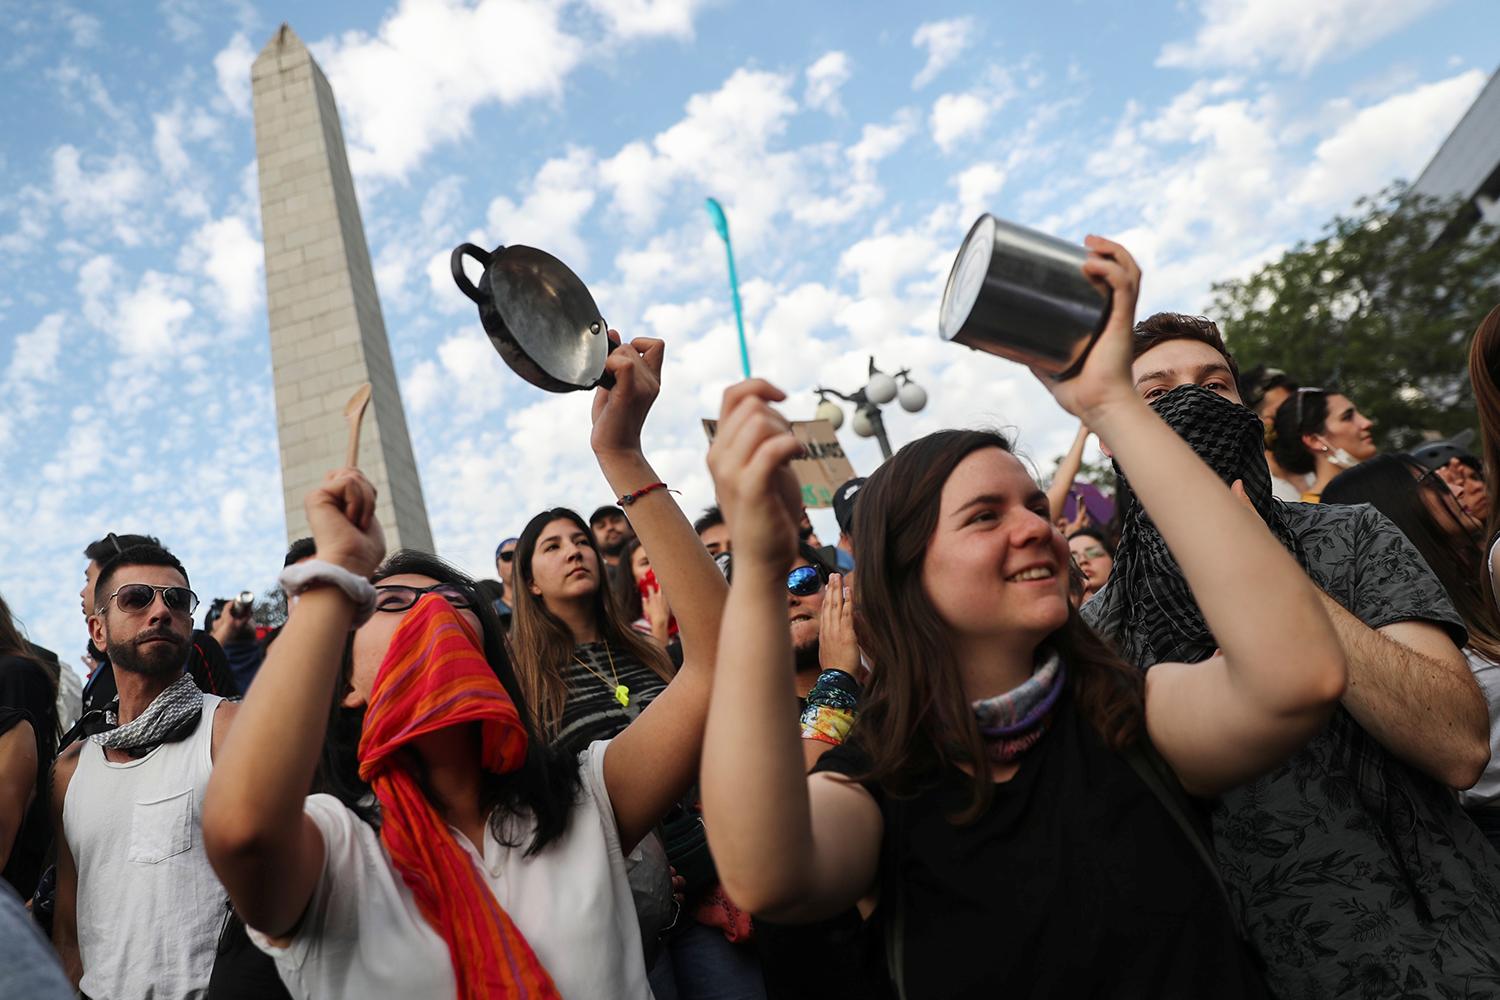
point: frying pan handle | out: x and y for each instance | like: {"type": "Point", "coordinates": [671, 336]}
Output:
{"type": "Point", "coordinates": [456, 262]}
{"type": "Point", "coordinates": [606, 380]}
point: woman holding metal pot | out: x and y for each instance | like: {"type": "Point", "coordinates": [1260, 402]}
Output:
{"type": "Point", "coordinates": [499, 866]}
{"type": "Point", "coordinates": [1012, 791]}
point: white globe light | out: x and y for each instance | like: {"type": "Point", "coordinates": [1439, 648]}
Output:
{"type": "Point", "coordinates": [861, 423]}
{"type": "Point", "coordinates": [913, 397]}
{"type": "Point", "coordinates": [830, 411]}
{"type": "Point", "coordinates": [881, 389]}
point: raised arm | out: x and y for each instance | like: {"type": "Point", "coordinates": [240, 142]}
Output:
{"type": "Point", "coordinates": [1067, 471]}
{"type": "Point", "coordinates": [265, 849]}
{"type": "Point", "coordinates": [655, 759]}
{"type": "Point", "coordinates": [786, 846]}
{"type": "Point", "coordinates": [1223, 721]}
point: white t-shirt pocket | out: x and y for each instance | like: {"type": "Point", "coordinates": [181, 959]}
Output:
{"type": "Point", "coordinates": [161, 828]}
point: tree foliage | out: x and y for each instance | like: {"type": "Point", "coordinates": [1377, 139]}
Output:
{"type": "Point", "coordinates": [1381, 307]}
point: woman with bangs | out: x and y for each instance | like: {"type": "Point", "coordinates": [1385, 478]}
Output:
{"type": "Point", "coordinates": [499, 865]}
{"type": "Point", "coordinates": [1012, 792]}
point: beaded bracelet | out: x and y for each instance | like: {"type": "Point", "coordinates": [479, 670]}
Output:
{"type": "Point", "coordinates": [630, 498]}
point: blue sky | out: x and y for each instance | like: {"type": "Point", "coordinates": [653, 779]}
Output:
{"type": "Point", "coordinates": [852, 145]}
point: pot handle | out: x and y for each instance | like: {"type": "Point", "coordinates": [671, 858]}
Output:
{"type": "Point", "coordinates": [456, 262]}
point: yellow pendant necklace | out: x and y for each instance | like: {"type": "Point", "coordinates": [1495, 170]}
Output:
{"type": "Point", "coordinates": [622, 693]}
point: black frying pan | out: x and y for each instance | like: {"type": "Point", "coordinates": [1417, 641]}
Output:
{"type": "Point", "coordinates": [539, 315]}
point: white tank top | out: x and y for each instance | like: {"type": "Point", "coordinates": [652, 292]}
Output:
{"type": "Point", "coordinates": [149, 906]}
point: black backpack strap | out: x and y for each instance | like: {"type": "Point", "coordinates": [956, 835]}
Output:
{"type": "Point", "coordinates": [1158, 776]}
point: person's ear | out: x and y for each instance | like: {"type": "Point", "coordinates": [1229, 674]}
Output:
{"type": "Point", "coordinates": [98, 632]}
{"type": "Point", "coordinates": [1315, 443]}
{"type": "Point", "coordinates": [352, 698]}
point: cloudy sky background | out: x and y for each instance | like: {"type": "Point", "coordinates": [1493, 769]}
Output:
{"type": "Point", "coordinates": [852, 145]}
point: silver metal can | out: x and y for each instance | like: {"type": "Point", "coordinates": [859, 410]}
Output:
{"type": "Point", "coordinates": [1022, 295]}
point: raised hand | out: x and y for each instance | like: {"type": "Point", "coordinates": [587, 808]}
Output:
{"type": "Point", "coordinates": [756, 488]}
{"type": "Point", "coordinates": [620, 412]}
{"type": "Point", "coordinates": [1105, 378]}
{"type": "Point", "coordinates": [838, 649]}
{"type": "Point", "coordinates": [341, 514]}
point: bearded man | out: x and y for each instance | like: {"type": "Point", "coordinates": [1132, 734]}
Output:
{"type": "Point", "coordinates": [138, 908]}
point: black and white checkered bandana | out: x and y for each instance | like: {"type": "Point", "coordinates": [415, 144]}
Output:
{"type": "Point", "coordinates": [1162, 621]}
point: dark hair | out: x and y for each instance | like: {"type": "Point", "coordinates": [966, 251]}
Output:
{"type": "Point", "coordinates": [915, 719]}
{"type": "Point", "coordinates": [1097, 536]}
{"type": "Point", "coordinates": [111, 545]}
{"type": "Point", "coordinates": [13, 643]}
{"type": "Point", "coordinates": [711, 517]}
{"type": "Point", "coordinates": [1484, 376]}
{"type": "Point", "coordinates": [136, 555]}
{"type": "Point", "coordinates": [1161, 327]}
{"type": "Point", "coordinates": [544, 786]}
{"type": "Point", "coordinates": [626, 594]}
{"type": "Point", "coordinates": [299, 550]}
{"type": "Point", "coordinates": [1255, 383]}
{"type": "Point", "coordinates": [1303, 412]}
{"type": "Point", "coordinates": [1394, 485]}
{"type": "Point", "coordinates": [816, 561]}
{"type": "Point", "coordinates": [541, 643]}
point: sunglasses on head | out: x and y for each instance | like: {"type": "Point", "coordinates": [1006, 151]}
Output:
{"type": "Point", "coordinates": [394, 597]}
{"type": "Point", "coordinates": [804, 581]}
{"type": "Point", "coordinates": [133, 598]}
{"type": "Point", "coordinates": [1300, 394]}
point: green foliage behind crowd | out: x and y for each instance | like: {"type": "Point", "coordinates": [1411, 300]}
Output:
{"type": "Point", "coordinates": [1381, 307]}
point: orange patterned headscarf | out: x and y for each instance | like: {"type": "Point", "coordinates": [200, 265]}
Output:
{"type": "Point", "coordinates": [433, 677]}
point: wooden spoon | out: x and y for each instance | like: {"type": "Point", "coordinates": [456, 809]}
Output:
{"type": "Point", "coordinates": [354, 412]}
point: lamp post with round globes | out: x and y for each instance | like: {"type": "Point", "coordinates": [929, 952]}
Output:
{"type": "Point", "coordinates": [879, 390]}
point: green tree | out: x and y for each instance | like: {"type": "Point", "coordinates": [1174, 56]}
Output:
{"type": "Point", "coordinates": [1381, 307]}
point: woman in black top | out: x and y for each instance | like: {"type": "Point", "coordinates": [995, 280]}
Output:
{"type": "Point", "coordinates": [1010, 790]}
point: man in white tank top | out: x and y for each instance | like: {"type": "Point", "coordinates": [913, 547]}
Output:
{"type": "Point", "coordinates": [139, 910]}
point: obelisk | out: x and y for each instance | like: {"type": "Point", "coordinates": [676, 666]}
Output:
{"type": "Point", "coordinates": [327, 332]}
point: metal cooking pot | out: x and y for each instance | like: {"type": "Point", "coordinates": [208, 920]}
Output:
{"type": "Point", "coordinates": [539, 315]}
{"type": "Point", "coordinates": [1021, 294]}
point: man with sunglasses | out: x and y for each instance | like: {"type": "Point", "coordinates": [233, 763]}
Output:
{"type": "Point", "coordinates": [505, 564]}
{"type": "Point", "coordinates": [1353, 862]}
{"type": "Point", "coordinates": [138, 909]}
{"type": "Point", "coordinates": [205, 661]}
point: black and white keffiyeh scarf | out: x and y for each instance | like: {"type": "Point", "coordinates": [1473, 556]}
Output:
{"type": "Point", "coordinates": [1161, 620]}
{"type": "Point", "coordinates": [170, 716]}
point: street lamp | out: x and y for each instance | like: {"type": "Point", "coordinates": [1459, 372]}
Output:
{"type": "Point", "coordinates": [879, 390]}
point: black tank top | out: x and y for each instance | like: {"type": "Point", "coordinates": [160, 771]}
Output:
{"type": "Point", "coordinates": [1075, 882]}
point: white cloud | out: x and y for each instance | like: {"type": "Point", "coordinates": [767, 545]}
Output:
{"type": "Point", "coordinates": [637, 185]}
{"type": "Point", "coordinates": [560, 196]}
{"type": "Point", "coordinates": [232, 70]}
{"type": "Point", "coordinates": [1293, 35]}
{"type": "Point", "coordinates": [417, 82]}
{"type": "Point", "coordinates": [956, 117]}
{"type": "Point", "coordinates": [85, 29]}
{"type": "Point", "coordinates": [166, 140]}
{"type": "Point", "coordinates": [104, 197]}
{"type": "Point", "coordinates": [142, 323]}
{"type": "Point", "coordinates": [33, 357]}
{"type": "Point", "coordinates": [630, 19]}
{"type": "Point", "coordinates": [227, 252]}
{"type": "Point", "coordinates": [944, 41]}
{"type": "Point", "coordinates": [1394, 138]}
{"type": "Point", "coordinates": [824, 80]}
{"type": "Point", "coordinates": [977, 187]}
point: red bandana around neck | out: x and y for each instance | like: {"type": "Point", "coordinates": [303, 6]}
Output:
{"type": "Point", "coordinates": [434, 677]}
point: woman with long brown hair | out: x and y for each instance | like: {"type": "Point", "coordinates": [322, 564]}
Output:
{"type": "Point", "coordinates": [28, 742]}
{"type": "Point", "coordinates": [1011, 791]}
{"type": "Point", "coordinates": [1484, 375]}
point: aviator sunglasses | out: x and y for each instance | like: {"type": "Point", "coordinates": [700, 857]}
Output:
{"type": "Point", "coordinates": [133, 598]}
{"type": "Point", "coordinates": [804, 581]}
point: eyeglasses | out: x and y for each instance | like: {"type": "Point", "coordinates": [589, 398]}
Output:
{"type": "Point", "coordinates": [804, 581]}
{"type": "Point", "coordinates": [398, 598]}
{"type": "Point", "coordinates": [507, 555]}
{"type": "Point", "coordinates": [133, 598]}
{"type": "Point", "coordinates": [1094, 552]}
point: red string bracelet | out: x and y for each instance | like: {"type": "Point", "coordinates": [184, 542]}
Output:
{"type": "Point", "coordinates": [630, 498]}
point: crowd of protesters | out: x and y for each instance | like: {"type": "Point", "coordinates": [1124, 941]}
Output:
{"type": "Point", "coordinates": [1231, 732]}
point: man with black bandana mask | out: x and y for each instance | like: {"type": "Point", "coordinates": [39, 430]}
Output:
{"type": "Point", "coordinates": [1352, 864]}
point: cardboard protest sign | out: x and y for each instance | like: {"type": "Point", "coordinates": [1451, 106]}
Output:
{"type": "Point", "coordinates": [823, 470]}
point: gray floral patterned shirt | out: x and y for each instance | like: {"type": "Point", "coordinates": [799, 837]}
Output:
{"type": "Point", "coordinates": [1357, 875]}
